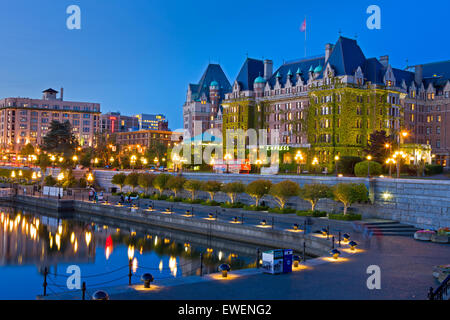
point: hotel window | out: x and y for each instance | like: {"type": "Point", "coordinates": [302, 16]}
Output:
{"type": "Point", "coordinates": [438, 143]}
{"type": "Point", "coordinates": [438, 130]}
{"type": "Point", "coordinates": [86, 116]}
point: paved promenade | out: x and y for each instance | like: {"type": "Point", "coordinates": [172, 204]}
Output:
{"type": "Point", "coordinates": [406, 267]}
{"type": "Point", "coordinates": [406, 273]}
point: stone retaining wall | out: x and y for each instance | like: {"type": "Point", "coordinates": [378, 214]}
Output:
{"type": "Point", "coordinates": [421, 203]}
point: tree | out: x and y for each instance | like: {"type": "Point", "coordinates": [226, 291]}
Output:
{"type": "Point", "coordinates": [377, 146]}
{"type": "Point", "coordinates": [211, 187]}
{"type": "Point", "coordinates": [314, 192]}
{"type": "Point", "coordinates": [193, 186]}
{"type": "Point", "coordinates": [232, 189]}
{"type": "Point", "coordinates": [145, 181]}
{"type": "Point", "coordinates": [60, 139]}
{"type": "Point", "coordinates": [349, 193]}
{"type": "Point", "coordinates": [132, 180]}
{"type": "Point", "coordinates": [27, 150]}
{"type": "Point", "coordinates": [44, 163]}
{"type": "Point", "coordinates": [160, 182]}
{"type": "Point", "coordinates": [176, 184]}
{"type": "Point", "coordinates": [119, 180]}
{"type": "Point", "coordinates": [283, 191]}
{"type": "Point", "coordinates": [258, 189]}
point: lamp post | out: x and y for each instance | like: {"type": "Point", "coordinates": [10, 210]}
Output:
{"type": "Point", "coordinates": [390, 161]}
{"type": "Point", "coordinates": [315, 162]}
{"type": "Point", "coordinates": [336, 159]}
{"type": "Point", "coordinates": [298, 158]}
{"type": "Point", "coordinates": [369, 159]}
{"type": "Point", "coordinates": [133, 161]}
{"type": "Point", "coordinates": [399, 155]}
{"type": "Point", "coordinates": [227, 158]}
{"type": "Point", "coordinates": [90, 179]}
{"type": "Point", "coordinates": [258, 164]}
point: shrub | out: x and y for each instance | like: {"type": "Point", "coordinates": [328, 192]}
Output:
{"type": "Point", "coordinates": [314, 192]}
{"type": "Point", "coordinates": [174, 199]}
{"type": "Point", "coordinates": [232, 189]}
{"type": "Point", "coordinates": [211, 203]}
{"type": "Point", "coordinates": [160, 182]}
{"type": "Point", "coordinates": [361, 169]}
{"type": "Point", "coordinates": [132, 180]}
{"type": "Point", "coordinates": [211, 187]}
{"type": "Point", "coordinates": [258, 189]}
{"type": "Point", "coordinates": [282, 210]}
{"type": "Point", "coordinates": [190, 201]}
{"type": "Point", "coordinates": [82, 183]}
{"type": "Point", "coordinates": [346, 164]}
{"type": "Point", "coordinates": [256, 208]}
{"type": "Point", "coordinates": [229, 205]}
{"type": "Point", "coordinates": [315, 214]}
{"type": "Point", "coordinates": [432, 169]}
{"type": "Point", "coordinates": [175, 184]}
{"type": "Point", "coordinates": [193, 186]}
{"type": "Point", "coordinates": [283, 191]}
{"type": "Point", "coordinates": [119, 180]}
{"type": "Point", "coordinates": [349, 193]}
{"type": "Point", "coordinates": [49, 181]}
{"type": "Point", "coordinates": [345, 217]}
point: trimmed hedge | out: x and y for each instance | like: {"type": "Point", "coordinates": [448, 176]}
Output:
{"type": "Point", "coordinates": [256, 208]}
{"type": "Point", "coordinates": [347, 217]}
{"type": "Point", "coordinates": [282, 211]}
{"type": "Point", "coordinates": [309, 213]}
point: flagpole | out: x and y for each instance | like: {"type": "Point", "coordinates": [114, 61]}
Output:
{"type": "Point", "coordinates": [306, 27]}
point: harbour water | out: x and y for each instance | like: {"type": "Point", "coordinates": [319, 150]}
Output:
{"type": "Point", "coordinates": [32, 242]}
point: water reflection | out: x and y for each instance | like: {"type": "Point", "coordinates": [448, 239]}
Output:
{"type": "Point", "coordinates": [31, 239]}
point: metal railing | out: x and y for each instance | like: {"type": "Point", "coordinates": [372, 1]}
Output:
{"type": "Point", "coordinates": [441, 292]}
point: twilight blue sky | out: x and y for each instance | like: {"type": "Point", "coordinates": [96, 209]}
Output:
{"type": "Point", "coordinates": [138, 56]}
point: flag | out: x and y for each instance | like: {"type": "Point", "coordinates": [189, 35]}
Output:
{"type": "Point", "coordinates": [303, 26]}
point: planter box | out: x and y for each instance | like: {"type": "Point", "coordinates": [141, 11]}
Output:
{"type": "Point", "coordinates": [440, 239]}
{"type": "Point", "coordinates": [423, 236]}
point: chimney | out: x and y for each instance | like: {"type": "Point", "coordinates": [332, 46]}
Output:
{"type": "Point", "coordinates": [384, 60]}
{"type": "Point", "coordinates": [328, 51]}
{"type": "Point", "coordinates": [418, 74]}
{"type": "Point", "coordinates": [62, 93]}
{"type": "Point", "coordinates": [268, 68]}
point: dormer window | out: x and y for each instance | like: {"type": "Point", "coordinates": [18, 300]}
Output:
{"type": "Point", "coordinates": [389, 83]}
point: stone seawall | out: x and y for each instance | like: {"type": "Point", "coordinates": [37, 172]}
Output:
{"type": "Point", "coordinates": [421, 203]}
{"type": "Point", "coordinates": [242, 233]}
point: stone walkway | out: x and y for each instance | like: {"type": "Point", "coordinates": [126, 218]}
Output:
{"type": "Point", "coordinates": [406, 267]}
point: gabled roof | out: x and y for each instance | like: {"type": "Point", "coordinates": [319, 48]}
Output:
{"type": "Point", "coordinates": [250, 70]}
{"type": "Point", "coordinates": [373, 71]}
{"type": "Point", "coordinates": [212, 73]}
{"type": "Point", "coordinates": [346, 57]}
{"type": "Point", "coordinates": [302, 65]}
{"type": "Point", "coordinates": [50, 90]}
{"type": "Point", "coordinates": [401, 75]}
{"type": "Point", "coordinates": [437, 73]}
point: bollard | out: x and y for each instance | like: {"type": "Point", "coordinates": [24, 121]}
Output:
{"type": "Point", "coordinates": [83, 291]}
{"type": "Point", "coordinates": [257, 258]}
{"type": "Point", "coordinates": [273, 222]}
{"type": "Point", "coordinates": [304, 226]}
{"type": "Point", "coordinates": [332, 242]}
{"type": "Point", "coordinates": [339, 239]}
{"type": "Point", "coordinates": [130, 273]}
{"type": "Point", "coordinates": [201, 264]}
{"type": "Point", "coordinates": [328, 232]}
{"type": "Point", "coordinates": [242, 218]}
{"type": "Point", "coordinates": [192, 211]}
{"type": "Point", "coordinates": [304, 251]}
{"type": "Point", "coordinates": [45, 281]}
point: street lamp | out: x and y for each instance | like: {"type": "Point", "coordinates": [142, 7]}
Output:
{"type": "Point", "coordinates": [133, 160]}
{"type": "Point", "coordinates": [227, 158]}
{"type": "Point", "coordinates": [390, 161]}
{"type": "Point", "coordinates": [298, 158]}
{"type": "Point", "coordinates": [369, 158]}
{"type": "Point", "coordinates": [400, 155]}
{"type": "Point", "coordinates": [336, 159]}
{"type": "Point", "coordinates": [258, 164]}
{"type": "Point", "coordinates": [90, 178]}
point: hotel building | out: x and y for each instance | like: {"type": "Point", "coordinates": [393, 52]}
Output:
{"type": "Point", "coordinates": [27, 120]}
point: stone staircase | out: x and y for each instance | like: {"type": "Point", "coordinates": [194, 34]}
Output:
{"type": "Point", "coordinates": [390, 228]}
